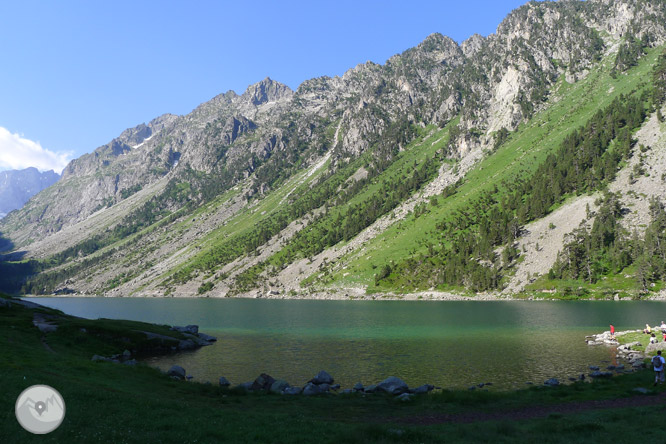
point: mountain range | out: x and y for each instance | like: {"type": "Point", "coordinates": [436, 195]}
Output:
{"type": "Point", "coordinates": [17, 186]}
{"type": "Point", "coordinates": [529, 162]}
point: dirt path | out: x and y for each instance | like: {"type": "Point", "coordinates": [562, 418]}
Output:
{"type": "Point", "coordinates": [536, 411]}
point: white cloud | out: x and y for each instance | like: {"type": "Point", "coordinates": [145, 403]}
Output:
{"type": "Point", "coordinates": [17, 153]}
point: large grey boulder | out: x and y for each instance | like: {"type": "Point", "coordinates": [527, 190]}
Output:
{"type": "Point", "coordinates": [322, 378]}
{"type": "Point", "coordinates": [187, 344]}
{"type": "Point", "coordinates": [393, 385]}
{"type": "Point", "coordinates": [292, 391]}
{"type": "Point", "coordinates": [224, 382]}
{"type": "Point", "coordinates": [207, 338]}
{"type": "Point", "coordinates": [263, 382]}
{"type": "Point", "coordinates": [652, 348]}
{"type": "Point", "coordinates": [423, 389]}
{"type": "Point", "coordinates": [279, 386]}
{"type": "Point", "coordinates": [311, 389]}
{"type": "Point", "coordinates": [358, 387]}
{"type": "Point", "coordinates": [552, 382]}
{"type": "Point", "coordinates": [177, 371]}
{"type": "Point", "coordinates": [192, 329]}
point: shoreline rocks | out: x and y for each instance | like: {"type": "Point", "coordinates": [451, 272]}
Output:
{"type": "Point", "coordinates": [322, 384]}
{"type": "Point", "coordinates": [626, 352]}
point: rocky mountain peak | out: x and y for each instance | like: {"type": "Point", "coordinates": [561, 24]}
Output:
{"type": "Point", "coordinates": [268, 90]}
{"type": "Point", "coordinates": [472, 45]}
{"type": "Point", "coordinates": [441, 48]}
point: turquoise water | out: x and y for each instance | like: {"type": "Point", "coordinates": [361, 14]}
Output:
{"type": "Point", "coordinates": [449, 344]}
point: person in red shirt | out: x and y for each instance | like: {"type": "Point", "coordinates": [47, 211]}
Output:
{"type": "Point", "coordinates": [612, 331]}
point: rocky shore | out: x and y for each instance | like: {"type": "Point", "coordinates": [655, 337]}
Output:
{"type": "Point", "coordinates": [193, 339]}
{"type": "Point", "coordinates": [634, 352]}
{"type": "Point", "coordinates": [322, 383]}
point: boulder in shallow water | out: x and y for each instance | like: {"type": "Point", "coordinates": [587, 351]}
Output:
{"type": "Point", "coordinates": [312, 389]}
{"type": "Point", "coordinates": [279, 386]}
{"type": "Point", "coordinates": [393, 386]}
{"type": "Point", "coordinates": [292, 391]}
{"type": "Point", "coordinates": [193, 329]}
{"type": "Point", "coordinates": [322, 378]}
{"type": "Point", "coordinates": [177, 371]}
{"type": "Point", "coordinates": [187, 344]}
{"type": "Point", "coordinates": [552, 382]}
{"type": "Point", "coordinates": [423, 389]}
{"type": "Point", "coordinates": [263, 382]}
{"type": "Point", "coordinates": [207, 338]}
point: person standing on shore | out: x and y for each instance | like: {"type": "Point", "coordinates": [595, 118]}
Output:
{"type": "Point", "coordinates": [612, 332]}
{"type": "Point", "coordinates": [658, 365]}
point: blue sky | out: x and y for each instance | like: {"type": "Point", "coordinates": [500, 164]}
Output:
{"type": "Point", "coordinates": [77, 73]}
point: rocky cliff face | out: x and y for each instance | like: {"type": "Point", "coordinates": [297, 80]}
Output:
{"type": "Point", "coordinates": [18, 186]}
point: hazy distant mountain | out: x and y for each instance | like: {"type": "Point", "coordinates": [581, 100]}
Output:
{"type": "Point", "coordinates": [18, 186]}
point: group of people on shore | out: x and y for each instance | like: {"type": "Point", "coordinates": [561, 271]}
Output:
{"type": "Point", "coordinates": [650, 331]}
{"type": "Point", "coordinates": [658, 361]}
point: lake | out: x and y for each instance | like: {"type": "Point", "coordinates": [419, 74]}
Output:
{"type": "Point", "coordinates": [451, 344]}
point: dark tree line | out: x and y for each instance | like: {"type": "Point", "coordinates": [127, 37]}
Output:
{"type": "Point", "coordinates": [607, 248]}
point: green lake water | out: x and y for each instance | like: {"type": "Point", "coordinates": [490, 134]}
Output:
{"type": "Point", "coordinates": [448, 344]}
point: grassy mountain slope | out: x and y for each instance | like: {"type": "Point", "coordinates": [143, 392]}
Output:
{"type": "Point", "coordinates": [570, 106]}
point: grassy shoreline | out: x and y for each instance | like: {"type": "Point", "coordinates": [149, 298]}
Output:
{"type": "Point", "coordinates": [108, 402]}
